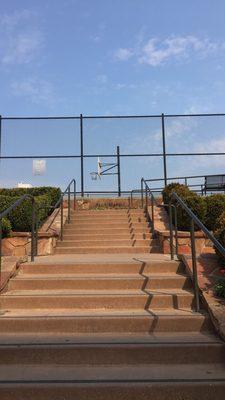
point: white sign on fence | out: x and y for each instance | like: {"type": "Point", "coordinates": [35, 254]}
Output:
{"type": "Point", "coordinates": [39, 167]}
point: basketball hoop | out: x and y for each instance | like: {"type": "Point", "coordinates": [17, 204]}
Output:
{"type": "Point", "coordinates": [94, 176]}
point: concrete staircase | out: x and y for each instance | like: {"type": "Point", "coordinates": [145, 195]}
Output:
{"type": "Point", "coordinates": [107, 231]}
{"type": "Point", "coordinates": [115, 327]}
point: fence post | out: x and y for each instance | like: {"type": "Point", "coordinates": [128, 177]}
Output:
{"type": "Point", "coordinates": [118, 170]}
{"type": "Point", "coordinates": [0, 137]}
{"type": "Point", "coordinates": [194, 266]}
{"type": "Point", "coordinates": [164, 149]}
{"type": "Point", "coordinates": [81, 156]}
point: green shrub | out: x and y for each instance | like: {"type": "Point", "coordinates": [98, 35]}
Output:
{"type": "Point", "coordinates": [6, 227]}
{"type": "Point", "coordinates": [192, 200]}
{"type": "Point", "coordinates": [197, 205]}
{"type": "Point", "coordinates": [219, 288]}
{"type": "Point", "coordinates": [21, 217]}
{"type": "Point", "coordinates": [53, 192]}
{"type": "Point", "coordinates": [215, 206]}
{"type": "Point", "coordinates": [181, 190]}
{"type": "Point", "coordinates": [219, 232]}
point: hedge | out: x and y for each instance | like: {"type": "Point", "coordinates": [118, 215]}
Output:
{"type": "Point", "coordinates": [219, 288]}
{"type": "Point", "coordinates": [181, 190]}
{"type": "Point", "coordinates": [20, 219]}
{"type": "Point", "coordinates": [53, 192]}
{"type": "Point", "coordinates": [6, 227]}
{"type": "Point", "coordinates": [219, 232]}
{"type": "Point", "coordinates": [215, 205]}
{"type": "Point", "coordinates": [194, 202]}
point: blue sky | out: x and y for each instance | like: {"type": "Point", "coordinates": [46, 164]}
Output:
{"type": "Point", "coordinates": [105, 57]}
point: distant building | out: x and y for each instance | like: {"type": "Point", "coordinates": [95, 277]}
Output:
{"type": "Point", "coordinates": [24, 185]}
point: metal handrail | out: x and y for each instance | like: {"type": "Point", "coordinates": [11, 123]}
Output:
{"type": "Point", "coordinates": [59, 205]}
{"type": "Point", "coordinates": [194, 220]}
{"type": "Point", "coordinates": [197, 221]}
{"type": "Point", "coordinates": [8, 210]}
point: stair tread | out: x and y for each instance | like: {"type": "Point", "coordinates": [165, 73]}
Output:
{"type": "Point", "coordinates": [101, 373]}
{"type": "Point", "coordinates": [96, 292]}
{"type": "Point", "coordinates": [93, 313]}
{"type": "Point", "coordinates": [158, 338]}
{"type": "Point", "coordinates": [85, 276]}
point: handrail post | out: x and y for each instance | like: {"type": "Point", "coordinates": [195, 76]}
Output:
{"type": "Point", "coordinates": [146, 199]}
{"type": "Point", "coordinates": [36, 232]}
{"type": "Point", "coordinates": [171, 231]}
{"type": "Point", "coordinates": [61, 208]}
{"type": "Point", "coordinates": [33, 230]}
{"type": "Point", "coordinates": [152, 204]}
{"type": "Point", "coordinates": [194, 266]}
{"type": "Point", "coordinates": [176, 231]}
{"type": "Point", "coordinates": [142, 194]}
{"type": "Point", "coordinates": [0, 249]}
{"type": "Point", "coordinates": [74, 195]}
{"type": "Point", "coordinates": [69, 204]}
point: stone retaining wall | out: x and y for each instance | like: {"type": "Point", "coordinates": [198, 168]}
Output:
{"type": "Point", "coordinates": [19, 244]}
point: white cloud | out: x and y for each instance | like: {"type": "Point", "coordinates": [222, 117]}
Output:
{"type": "Point", "coordinates": [35, 90]}
{"type": "Point", "coordinates": [21, 41]}
{"type": "Point", "coordinates": [216, 145]}
{"type": "Point", "coordinates": [123, 54]}
{"type": "Point", "coordinates": [157, 52]}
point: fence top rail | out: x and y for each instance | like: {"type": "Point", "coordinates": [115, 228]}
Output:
{"type": "Point", "coordinates": [197, 221]}
{"type": "Point", "coordinates": [113, 116]}
{"type": "Point", "coordinates": [182, 177]}
{"type": "Point", "coordinates": [15, 204]}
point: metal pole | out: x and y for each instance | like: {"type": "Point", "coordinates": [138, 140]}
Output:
{"type": "Point", "coordinates": [142, 194]}
{"type": "Point", "coordinates": [171, 232]}
{"type": "Point", "coordinates": [0, 249]}
{"type": "Point", "coordinates": [81, 156]}
{"type": "Point", "coordinates": [69, 204]}
{"type": "Point", "coordinates": [152, 204]}
{"type": "Point", "coordinates": [61, 207]}
{"type": "Point", "coordinates": [74, 194]}
{"type": "Point", "coordinates": [33, 230]}
{"type": "Point", "coordinates": [118, 170]}
{"type": "Point", "coordinates": [164, 149]}
{"type": "Point", "coordinates": [176, 233]}
{"type": "Point", "coordinates": [194, 266]}
{"type": "Point", "coordinates": [146, 199]}
{"type": "Point", "coordinates": [0, 137]}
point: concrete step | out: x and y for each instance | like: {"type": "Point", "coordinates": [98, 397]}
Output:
{"type": "Point", "coordinates": [108, 218]}
{"type": "Point", "coordinates": [106, 235]}
{"type": "Point", "coordinates": [131, 352]}
{"type": "Point", "coordinates": [65, 281]}
{"type": "Point", "coordinates": [71, 322]}
{"type": "Point", "coordinates": [36, 388]}
{"type": "Point", "coordinates": [104, 222]}
{"type": "Point", "coordinates": [108, 212]}
{"type": "Point", "coordinates": [104, 230]}
{"type": "Point", "coordinates": [106, 249]}
{"type": "Point", "coordinates": [138, 267]}
{"type": "Point", "coordinates": [106, 242]}
{"type": "Point", "coordinates": [96, 299]}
